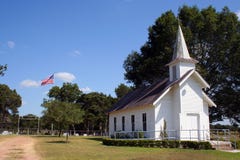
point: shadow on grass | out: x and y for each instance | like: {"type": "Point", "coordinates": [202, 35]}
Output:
{"type": "Point", "coordinates": [95, 138]}
{"type": "Point", "coordinates": [45, 136]}
{"type": "Point", "coordinates": [58, 142]}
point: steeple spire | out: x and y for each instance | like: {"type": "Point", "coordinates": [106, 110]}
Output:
{"type": "Point", "coordinates": [181, 60]}
{"type": "Point", "coordinates": [180, 52]}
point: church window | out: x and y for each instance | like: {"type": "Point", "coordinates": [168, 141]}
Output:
{"type": "Point", "coordinates": [144, 121]}
{"type": "Point", "coordinates": [115, 124]}
{"type": "Point", "coordinates": [133, 122]}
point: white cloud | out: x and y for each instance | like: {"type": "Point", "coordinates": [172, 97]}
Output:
{"type": "Point", "coordinates": [86, 90]}
{"type": "Point", "coordinates": [65, 76]}
{"type": "Point", "coordinates": [11, 44]}
{"type": "Point", "coordinates": [238, 14]}
{"type": "Point", "coordinates": [76, 53]}
{"type": "Point", "coordinates": [29, 83]}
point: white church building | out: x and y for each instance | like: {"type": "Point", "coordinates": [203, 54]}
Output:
{"type": "Point", "coordinates": [173, 108]}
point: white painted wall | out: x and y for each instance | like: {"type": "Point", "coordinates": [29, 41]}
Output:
{"type": "Point", "coordinates": [184, 68]}
{"type": "Point", "coordinates": [181, 69]}
{"type": "Point", "coordinates": [164, 110]}
{"type": "Point", "coordinates": [137, 112]}
{"type": "Point", "coordinates": [192, 104]}
{"type": "Point", "coordinates": [180, 107]}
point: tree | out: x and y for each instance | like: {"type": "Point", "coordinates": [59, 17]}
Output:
{"type": "Point", "coordinates": [122, 90]}
{"type": "Point", "coordinates": [95, 106]}
{"type": "Point", "coordinates": [148, 66]}
{"type": "Point", "coordinates": [63, 114]}
{"type": "Point", "coordinates": [213, 38]}
{"type": "Point", "coordinates": [67, 93]}
{"type": "Point", "coordinates": [61, 107]}
{"type": "Point", "coordinates": [3, 68]}
{"type": "Point", "coordinates": [10, 101]}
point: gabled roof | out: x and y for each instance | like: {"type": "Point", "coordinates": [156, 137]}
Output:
{"type": "Point", "coordinates": [149, 95]}
{"type": "Point", "coordinates": [145, 96]}
{"type": "Point", "coordinates": [208, 100]}
{"type": "Point", "coordinates": [199, 78]}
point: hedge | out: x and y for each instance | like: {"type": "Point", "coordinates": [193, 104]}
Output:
{"type": "Point", "coordinates": [158, 143]}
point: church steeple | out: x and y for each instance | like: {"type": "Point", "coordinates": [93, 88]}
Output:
{"type": "Point", "coordinates": [181, 60]}
{"type": "Point", "coordinates": [180, 49]}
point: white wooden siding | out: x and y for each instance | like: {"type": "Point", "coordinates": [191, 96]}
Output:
{"type": "Point", "coordinates": [191, 97]}
{"type": "Point", "coordinates": [137, 112]}
{"type": "Point", "coordinates": [181, 107]}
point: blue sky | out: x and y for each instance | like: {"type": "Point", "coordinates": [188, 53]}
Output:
{"type": "Point", "coordinates": [81, 41]}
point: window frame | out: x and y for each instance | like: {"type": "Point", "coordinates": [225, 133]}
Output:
{"type": "Point", "coordinates": [144, 121]}
{"type": "Point", "coordinates": [133, 122]}
{"type": "Point", "coordinates": [115, 124]}
{"type": "Point", "coordinates": [123, 123]}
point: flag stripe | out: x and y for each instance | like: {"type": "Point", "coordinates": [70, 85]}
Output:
{"type": "Point", "coordinates": [48, 80]}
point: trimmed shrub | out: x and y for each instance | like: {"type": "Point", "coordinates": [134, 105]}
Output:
{"type": "Point", "coordinates": [158, 143]}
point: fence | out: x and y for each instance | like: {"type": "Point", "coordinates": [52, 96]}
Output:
{"type": "Point", "coordinates": [195, 135]}
{"type": "Point", "coordinates": [192, 135]}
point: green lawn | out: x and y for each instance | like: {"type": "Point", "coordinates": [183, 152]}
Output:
{"type": "Point", "coordinates": [86, 148]}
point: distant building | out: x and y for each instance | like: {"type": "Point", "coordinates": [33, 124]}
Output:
{"type": "Point", "coordinates": [173, 108]}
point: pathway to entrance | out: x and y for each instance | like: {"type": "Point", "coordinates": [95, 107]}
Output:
{"type": "Point", "coordinates": [19, 148]}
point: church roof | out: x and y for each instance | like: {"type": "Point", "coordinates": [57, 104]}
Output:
{"type": "Point", "coordinates": [148, 95]}
{"type": "Point", "coordinates": [180, 50]}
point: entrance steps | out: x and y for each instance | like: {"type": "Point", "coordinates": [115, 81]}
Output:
{"type": "Point", "coordinates": [221, 145]}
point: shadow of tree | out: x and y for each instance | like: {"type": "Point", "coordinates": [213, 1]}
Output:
{"type": "Point", "coordinates": [58, 142]}
{"type": "Point", "coordinates": [95, 138]}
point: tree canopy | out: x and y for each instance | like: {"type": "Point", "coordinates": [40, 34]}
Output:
{"type": "Point", "coordinates": [61, 107]}
{"type": "Point", "coordinates": [68, 108]}
{"type": "Point", "coordinates": [10, 101]}
{"type": "Point", "coordinates": [122, 90]}
{"type": "Point", "coordinates": [213, 38]}
{"type": "Point", "coordinates": [95, 106]}
{"type": "Point", "coordinates": [3, 68]}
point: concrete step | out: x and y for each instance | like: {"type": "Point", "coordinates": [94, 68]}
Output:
{"type": "Point", "coordinates": [221, 145]}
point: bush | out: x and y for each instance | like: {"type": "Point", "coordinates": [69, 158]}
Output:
{"type": "Point", "coordinates": [158, 143]}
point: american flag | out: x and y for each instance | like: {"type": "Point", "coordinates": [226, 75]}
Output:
{"type": "Point", "coordinates": [48, 80]}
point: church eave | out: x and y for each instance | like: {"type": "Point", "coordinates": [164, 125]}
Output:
{"type": "Point", "coordinates": [208, 100]}
{"type": "Point", "coordinates": [187, 60]}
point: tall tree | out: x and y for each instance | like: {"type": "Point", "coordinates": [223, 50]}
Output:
{"type": "Point", "coordinates": [61, 107]}
{"type": "Point", "coordinates": [10, 101]}
{"type": "Point", "coordinates": [63, 114]}
{"type": "Point", "coordinates": [95, 106]}
{"type": "Point", "coordinates": [148, 66]}
{"type": "Point", "coordinates": [67, 93]}
{"type": "Point", "coordinates": [213, 38]}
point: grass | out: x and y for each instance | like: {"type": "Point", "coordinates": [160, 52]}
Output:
{"type": "Point", "coordinates": [86, 148]}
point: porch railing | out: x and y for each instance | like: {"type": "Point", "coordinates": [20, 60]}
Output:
{"type": "Point", "coordinates": [197, 135]}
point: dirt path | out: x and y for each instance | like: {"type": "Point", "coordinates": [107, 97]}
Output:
{"type": "Point", "coordinates": [18, 148]}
